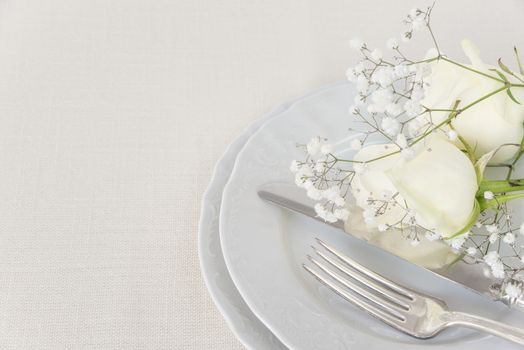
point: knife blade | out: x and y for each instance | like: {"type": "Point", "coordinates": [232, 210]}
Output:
{"type": "Point", "coordinates": [471, 276]}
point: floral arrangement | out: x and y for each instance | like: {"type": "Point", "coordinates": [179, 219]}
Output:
{"type": "Point", "coordinates": [435, 162]}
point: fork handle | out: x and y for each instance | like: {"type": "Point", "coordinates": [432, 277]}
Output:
{"type": "Point", "coordinates": [499, 329]}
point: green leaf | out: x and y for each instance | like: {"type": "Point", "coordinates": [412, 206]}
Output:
{"type": "Point", "coordinates": [481, 164]}
{"type": "Point", "coordinates": [521, 68]}
{"type": "Point", "coordinates": [502, 76]}
{"type": "Point", "coordinates": [504, 67]}
{"type": "Point", "coordinates": [510, 94]}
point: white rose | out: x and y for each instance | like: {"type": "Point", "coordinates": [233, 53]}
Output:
{"type": "Point", "coordinates": [438, 184]}
{"type": "Point", "coordinates": [487, 125]}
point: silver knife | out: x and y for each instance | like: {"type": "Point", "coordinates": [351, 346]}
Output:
{"type": "Point", "coordinates": [470, 276]}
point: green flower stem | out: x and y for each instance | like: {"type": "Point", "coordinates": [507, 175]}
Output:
{"type": "Point", "coordinates": [471, 69]}
{"type": "Point", "coordinates": [490, 203]}
{"type": "Point", "coordinates": [501, 186]}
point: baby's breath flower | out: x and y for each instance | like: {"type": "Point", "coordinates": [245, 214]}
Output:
{"type": "Point", "coordinates": [390, 126]}
{"type": "Point", "coordinates": [357, 44]}
{"type": "Point", "coordinates": [362, 84]}
{"type": "Point", "coordinates": [314, 193]}
{"type": "Point", "coordinates": [383, 76]}
{"type": "Point", "coordinates": [339, 201]}
{"type": "Point", "coordinates": [392, 43]}
{"type": "Point", "coordinates": [432, 236]}
{"type": "Point", "coordinates": [493, 237]}
{"type": "Point", "coordinates": [369, 215]}
{"type": "Point", "coordinates": [492, 228]}
{"type": "Point", "coordinates": [489, 195]}
{"type": "Point", "coordinates": [320, 167]}
{"type": "Point", "coordinates": [382, 227]}
{"type": "Point", "coordinates": [497, 269]}
{"type": "Point", "coordinates": [331, 193]}
{"type": "Point", "coordinates": [313, 147]}
{"type": "Point", "coordinates": [452, 135]}
{"type": "Point", "coordinates": [509, 238]}
{"type": "Point", "coordinates": [351, 75]}
{"type": "Point", "coordinates": [414, 12]}
{"type": "Point", "coordinates": [456, 243]}
{"type": "Point", "coordinates": [513, 290]}
{"type": "Point", "coordinates": [376, 55]}
{"type": "Point", "coordinates": [471, 251]}
{"type": "Point", "coordinates": [294, 166]}
{"type": "Point", "coordinates": [412, 108]}
{"type": "Point", "coordinates": [326, 149]}
{"type": "Point", "coordinates": [401, 141]}
{"type": "Point", "coordinates": [418, 24]}
{"type": "Point", "coordinates": [394, 109]}
{"type": "Point", "coordinates": [406, 36]}
{"type": "Point", "coordinates": [491, 257]}
{"type": "Point", "coordinates": [341, 214]}
{"type": "Point", "coordinates": [320, 210]}
{"type": "Point", "coordinates": [415, 242]}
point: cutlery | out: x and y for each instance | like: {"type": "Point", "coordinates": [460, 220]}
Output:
{"type": "Point", "coordinates": [468, 275]}
{"type": "Point", "coordinates": [416, 314]}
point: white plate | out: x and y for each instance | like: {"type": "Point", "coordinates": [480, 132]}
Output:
{"type": "Point", "coordinates": [264, 247]}
{"type": "Point", "coordinates": [243, 323]}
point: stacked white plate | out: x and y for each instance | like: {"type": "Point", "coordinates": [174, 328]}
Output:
{"type": "Point", "coordinates": [251, 252]}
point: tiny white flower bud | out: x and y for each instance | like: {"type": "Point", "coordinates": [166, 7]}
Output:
{"type": "Point", "coordinates": [452, 135]}
{"type": "Point", "coordinates": [356, 43]}
{"type": "Point", "coordinates": [295, 166]}
{"type": "Point", "coordinates": [509, 238]}
{"type": "Point", "coordinates": [489, 195]}
{"type": "Point", "coordinates": [326, 149]}
{"type": "Point", "coordinates": [512, 290]}
{"type": "Point", "coordinates": [382, 227]}
{"type": "Point", "coordinates": [313, 147]}
{"type": "Point", "coordinates": [414, 12]}
{"type": "Point", "coordinates": [418, 24]}
{"type": "Point", "coordinates": [392, 43]}
{"type": "Point", "coordinates": [341, 214]}
{"type": "Point", "coordinates": [401, 141]}
{"type": "Point", "coordinates": [351, 75]}
{"type": "Point", "coordinates": [376, 55]}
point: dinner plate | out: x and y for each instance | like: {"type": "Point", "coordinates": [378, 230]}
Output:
{"type": "Point", "coordinates": [264, 248]}
{"type": "Point", "coordinates": [243, 323]}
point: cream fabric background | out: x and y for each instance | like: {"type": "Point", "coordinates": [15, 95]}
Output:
{"type": "Point", "coordinates": [112, 115]}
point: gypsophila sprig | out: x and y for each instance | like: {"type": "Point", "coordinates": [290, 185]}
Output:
{"type": "Point", "coordinates": [427, 132]}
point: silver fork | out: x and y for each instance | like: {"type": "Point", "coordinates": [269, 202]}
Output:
{"type": "Point", "coordinates": [413, 313]}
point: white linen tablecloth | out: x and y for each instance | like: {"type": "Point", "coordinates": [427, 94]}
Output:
{"type": "Point", "coordinates": [112, 115]}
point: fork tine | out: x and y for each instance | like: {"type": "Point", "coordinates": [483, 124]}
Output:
{"type": "Point", "coordinates": [383, 303]}
{"type": "Point", "coordinates": [369, 308]}
{"type": "Point", "coordinates": [393, 297]}
{"type": "Point", "coordinates": [376, 277]}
